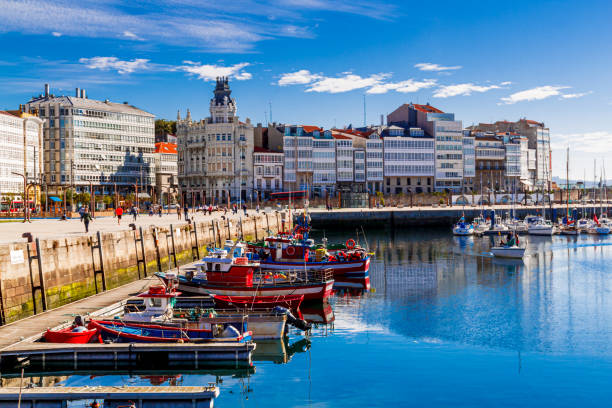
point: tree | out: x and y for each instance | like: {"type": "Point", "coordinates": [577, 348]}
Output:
{"type": "Point", "coordinates": [165, 126]}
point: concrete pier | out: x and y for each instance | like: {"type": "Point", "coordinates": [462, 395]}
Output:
{"type": "Point", "coordinates": [420, 216]}
{"type": "Point", "coordinates": [60, 266]}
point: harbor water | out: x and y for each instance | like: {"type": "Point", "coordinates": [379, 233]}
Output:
{"type": "Point", "coordinates": [443, 324]}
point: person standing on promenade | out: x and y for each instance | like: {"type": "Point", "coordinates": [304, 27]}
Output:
{"type": "Point", "coordinates": [134, 212]}
{"type": "Point", "coordinates": [178, 211]}
{"type": "Point", "coordinates": [81, 212]}
{"type": "Point", "coordinates": [119, 213]}
{"type": "Point", "coordinates": [257, 209]}
{"type": "Point", "coordinates": [86, 219]}
{"type": "Point", "coordinates": [244, 208]}
{"type": "Point", "coordinates": [186, 209]}
{"type": "Point", "coordinates": [159, 211]}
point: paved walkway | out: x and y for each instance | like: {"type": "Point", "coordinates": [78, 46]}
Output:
{"type": "Point", "coordinates": [54, 228]}
{"type": "Point", "coordinates": [33, 325]}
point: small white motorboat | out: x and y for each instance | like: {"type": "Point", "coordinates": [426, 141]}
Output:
{"type": "Point", "coordinates": [542, 228]}
{"type": "Point", "coordinates": [514, 251]}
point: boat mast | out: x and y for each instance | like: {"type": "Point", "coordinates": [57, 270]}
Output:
{"type": "Point", "coordinates": [567, 182]}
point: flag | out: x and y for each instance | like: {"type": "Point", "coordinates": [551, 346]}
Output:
{"type": "Point", "coordinates": [595, 219]}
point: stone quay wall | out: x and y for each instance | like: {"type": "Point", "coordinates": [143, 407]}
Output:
{"type": "Point", "coordinates": [67, 265]}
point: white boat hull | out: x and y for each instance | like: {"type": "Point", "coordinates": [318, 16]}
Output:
{"type": "Point", "coordinates": [512, 252]}
{"type": "Point", "coordinates": [548, 231]}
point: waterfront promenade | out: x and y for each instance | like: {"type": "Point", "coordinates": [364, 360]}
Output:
{"type": "Point", "coordinates": [53, 228]}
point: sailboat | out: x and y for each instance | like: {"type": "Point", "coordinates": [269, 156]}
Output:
{"type": "Point", "coordinates": [569, 225]}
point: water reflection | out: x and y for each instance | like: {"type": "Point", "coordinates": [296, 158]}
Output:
{"type": "Point", "coordinates": [450, 288]}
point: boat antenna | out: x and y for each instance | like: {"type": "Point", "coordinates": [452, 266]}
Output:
{"type": "Point", "coordinates": [365, 239]}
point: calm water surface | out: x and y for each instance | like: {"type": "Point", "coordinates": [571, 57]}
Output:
{"type": "Point", "coordinates": [443, 325]}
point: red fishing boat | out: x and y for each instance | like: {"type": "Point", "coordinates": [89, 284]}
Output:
{"type": "Point", "coordinates": [258, 302]}
{"type": "Point", "coordinates": [73, 334]}
{"type": "Point", "coordinates": [229, 272]}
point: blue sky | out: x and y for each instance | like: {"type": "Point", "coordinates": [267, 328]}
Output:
{"type": "Point", "coordinates": [314, 60]}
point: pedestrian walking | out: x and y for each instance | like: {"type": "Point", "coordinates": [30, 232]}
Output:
{"type": "Point", "coordinates": [257, 209]}
{"type": "Point", "coordinates": [186, 210]}
{"type": "Point", "coordinates": [134, 212]}
{"type": "Point", "coordinates": [244, 208]}
{"type": "Point", "coordinates": [159, 211]}
{"type": "Point", "coordinates": [178, 211]}
{"type": "Point", "coordinates": [81, 212]}
{"type": "Point", "coordinates": [119, 213]}
{"type": "Point", "coordinates": [86, 219]}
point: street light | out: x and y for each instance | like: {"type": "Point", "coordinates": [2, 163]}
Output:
{"type": "Point", "coordinates": [136, 196]}
{"type": "Point", "coordinates": [25, 195]}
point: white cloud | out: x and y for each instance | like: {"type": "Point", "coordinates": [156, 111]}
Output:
{"type": "Point", "coordinates": [56, 34]}
{"type": "Point", "coordinates": [301, 77]}
{"type": "Point", "coordinates": [131, 36]}
{"type": "Point", "coordinates": [534, 94]}
{"type": "Point", "coordinates": [463, 89]}
{"type": "Point", "coordinates": [597, 142]}
{"type": "Point", "coordinates": [114, 63]}
{"type": "Point", "coordinates": [345, 83]}
{"type": "Point", "coordinates": [209, 72]}
{"type": "Point", "coordinates": [407, 86]}
{"type": "Point", "coordinates": [427, 66]}
{"type": "Point", "coordinates": [575, 95]}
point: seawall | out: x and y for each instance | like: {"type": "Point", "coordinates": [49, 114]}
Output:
{"type": "Point", "coordinates": [68, 264]}
{"type": "Point", "coordinates": [422, 216]}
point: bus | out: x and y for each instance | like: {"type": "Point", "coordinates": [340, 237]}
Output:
{"type": "Point", "coordinates": [286, 195]}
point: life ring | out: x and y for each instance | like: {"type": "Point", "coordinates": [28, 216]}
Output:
{"type": "Point", "coordinates": [290, 250]}
{"type": "Point", "coordinates": [350, 244]}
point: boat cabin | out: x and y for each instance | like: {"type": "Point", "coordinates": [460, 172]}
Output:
{"type": "Point", "coordinates": [158, 302]}
{"type": "Point", "coordinates": [219, 267]}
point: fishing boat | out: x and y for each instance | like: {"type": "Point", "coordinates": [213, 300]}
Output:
{"type": "Point", "coordinates": [74, 334]}
{"type": "Point", "coordinates": [223, 273]}
{"type": "Point", "coordinates": [347, 261]}
{"type": "Point", "coordinates": [262, 322]}
{"type": "Point", "coordinates": [159, 301]}
{"type": "Point", "coordinates": [463, 228]}
{"type": "Point", "coordinates": [122, 332]}
{"type": "Point", "coordinates": [258, 302]}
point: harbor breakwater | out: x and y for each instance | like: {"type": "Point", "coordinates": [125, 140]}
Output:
{"type": "Point", "coordinates": [44, 274]}
{"type": "Point", "coordinates": [425, 216]}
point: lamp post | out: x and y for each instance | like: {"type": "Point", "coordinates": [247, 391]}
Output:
{"type": "Point", "coordinates": [91, 200]}
{"type": "Point", "coordinates": [136, 195]}
{"type": "Point", "coordinates": [25, 195]}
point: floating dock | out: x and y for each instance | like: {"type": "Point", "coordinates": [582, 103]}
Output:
{"type": "Point", "coordinates": [112, 397]}
{"type": "Point", "coordinates": [228, 355]}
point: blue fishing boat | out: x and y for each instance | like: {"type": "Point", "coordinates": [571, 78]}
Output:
{"type": "Point", "coordinates": [122, 332]}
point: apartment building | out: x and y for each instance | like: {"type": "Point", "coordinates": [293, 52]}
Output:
{"type": "Point", "coordinates": [215, 154]}
{"type": "Point", "coordinates": [374, 162]}
{"type": "Point", "coordinates": [538, 147]}
{"type": "Point", "coordinates": [469, 161]}
{"type": "Point", "coordinates": [95, 142]}
{"type": "Point", "coordinates": [166, 172]}
{"type": "Point", "coordinates": [447, 134]}
{"type": "Point", "coordinates": [21, 149]}
{"type": "Point", "coordinates": [267, 171]}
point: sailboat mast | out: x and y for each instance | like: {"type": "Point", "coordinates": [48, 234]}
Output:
{"type": "Point", "coordinates": [567, 182]}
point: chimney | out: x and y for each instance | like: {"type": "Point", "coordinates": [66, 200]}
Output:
{"type": "Point", "coordinates": [83, 94]}
{"type": "Point", "coordinates": [46, 90]}
{"type": "Point", "coordinates": [77, 92]}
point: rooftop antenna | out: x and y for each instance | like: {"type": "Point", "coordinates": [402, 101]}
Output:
{"type": "Point", "coordinates": [270, 103]}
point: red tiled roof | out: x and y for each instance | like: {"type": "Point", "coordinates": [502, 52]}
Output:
{"type": "Point", "coordinates": [164, 147]}
{"type": "Point", "coordinates": [427, 108]}
{"type": "Point", "coordinates": [532, 122]}
{"type": "Point", "coordinates": [310, 129]}
{"type": "Point", "coordinates": [339, 136]}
